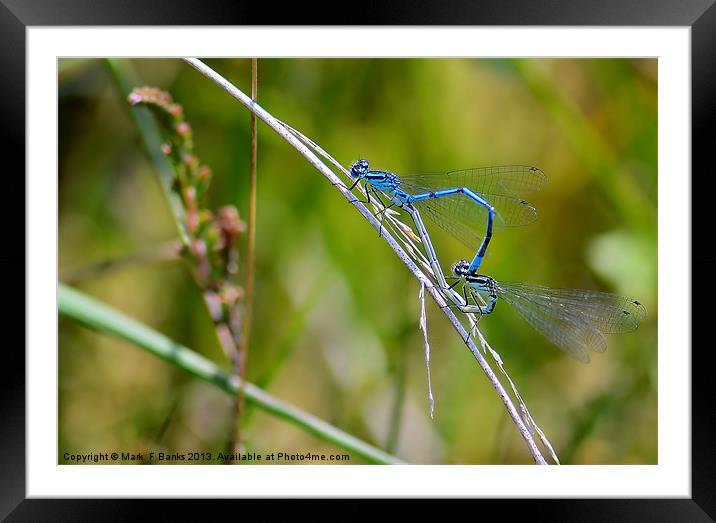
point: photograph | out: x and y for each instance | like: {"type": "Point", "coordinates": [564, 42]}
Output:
{"type": "Point", "coordinates": [351, 261]}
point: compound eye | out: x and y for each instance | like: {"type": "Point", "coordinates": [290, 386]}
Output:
{"type": "Point", "coordinates": [460, 268]}
{"type": "Point", "coordinates": [359, 167]}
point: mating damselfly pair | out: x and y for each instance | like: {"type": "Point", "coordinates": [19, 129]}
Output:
{"type": "Point", "coordinates": [460, 202]}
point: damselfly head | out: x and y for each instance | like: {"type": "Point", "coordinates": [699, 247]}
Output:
{"type": "Point", "coordinates": [359, 169]}
{"type": "Point", "coordinates": [460, 268]}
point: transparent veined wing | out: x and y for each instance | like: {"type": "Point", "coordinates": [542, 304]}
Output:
{"type": "Point", "coordinates": [503, 187]}
{"type": "Point", "coordinates": [574, 320]}
{"type": "Point", "coordinates": [465, 219]}
{"type": "Point", "coordinates": [504, 180]}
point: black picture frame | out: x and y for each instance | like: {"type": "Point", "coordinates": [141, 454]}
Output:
{"type": "Point", "coordinates": [700, 15]}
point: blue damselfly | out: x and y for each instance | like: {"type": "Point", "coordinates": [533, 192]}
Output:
{"type": "Point", "coordinates": [458, 201]}
{"type": "Point", "coordinates": [574, 320]}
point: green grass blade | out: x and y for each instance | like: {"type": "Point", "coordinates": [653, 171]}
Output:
{"type": "Point", "coordinates": [91, 313]}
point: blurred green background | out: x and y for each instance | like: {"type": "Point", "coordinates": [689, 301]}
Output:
{"type": "Point", "coordinates": [336, 313]}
